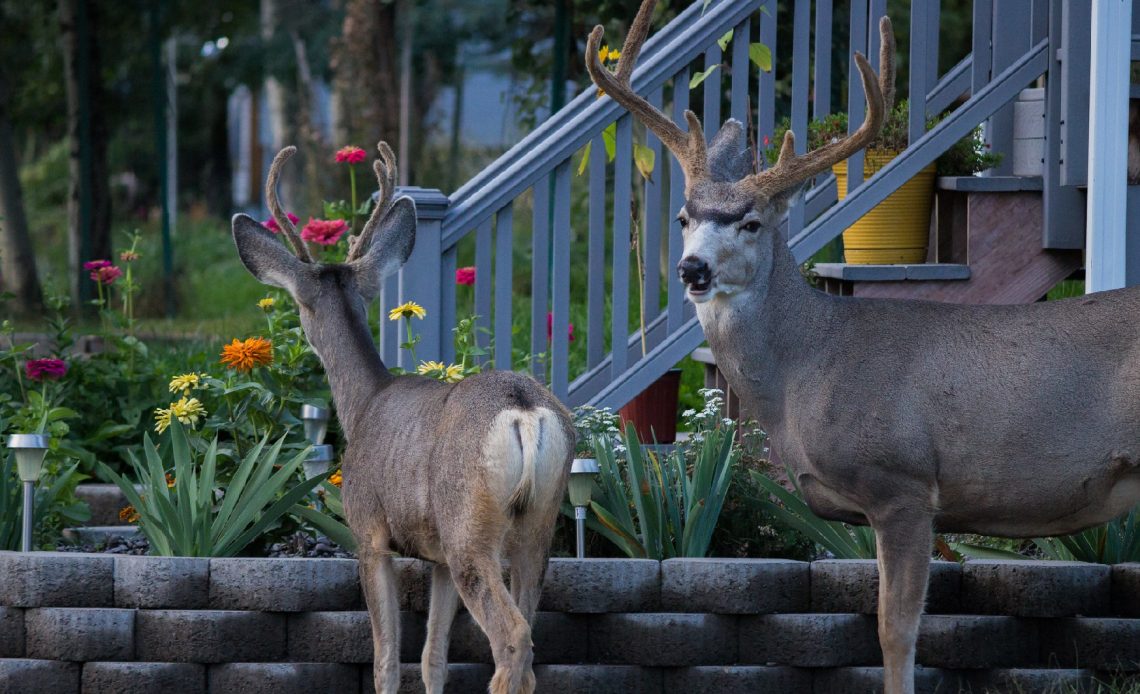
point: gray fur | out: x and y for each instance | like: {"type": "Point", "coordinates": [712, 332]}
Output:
{"type": "Point", "coordinates": [730, 157]}
{"type": "Point", "coordinates": [424, 474]}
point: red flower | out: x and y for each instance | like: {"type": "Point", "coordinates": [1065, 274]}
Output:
{"type": "Point", "coordinates": [550, 328]}
{"type": "Point", "coordinates": [106, 274]}
{"type": "Point", "coordinates": [96, 264]}
{"type": "Point", "coordinates": [766, 140]}
{"type": "Point", "coordinates": [45, 369]}
{"type": "Point", "coordinates": [324, 231]}
{"type": "Point", "coordinates": [465, 275]}
{"type": "Point", "coordinates": [271, 224]}
{"type": "Point", "coordinates": [350, 155]}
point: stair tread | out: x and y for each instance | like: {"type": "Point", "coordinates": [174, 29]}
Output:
{"type": "Point", "coordinates": [990, 184]}
{"type": "Point", "coordinates": [939, 272]}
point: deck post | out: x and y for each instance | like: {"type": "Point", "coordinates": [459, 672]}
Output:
{"type": "Point", "coordinates": [421, 278]}
{"type": "Point", "coordinates": [1105, 246]}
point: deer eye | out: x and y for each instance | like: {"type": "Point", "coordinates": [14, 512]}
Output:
{"type": "Point", "coordinates": [683, 221]}
{"type": "Point", "coordinates": [751, 227]}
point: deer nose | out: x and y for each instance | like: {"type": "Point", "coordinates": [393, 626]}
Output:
{"type": "Point", "coordinates": [693, 270]}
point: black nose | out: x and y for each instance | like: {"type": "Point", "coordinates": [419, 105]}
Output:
{"type": "Point", "coordinates": [693, 271]}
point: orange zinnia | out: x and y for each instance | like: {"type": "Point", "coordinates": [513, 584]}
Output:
{"type": "Point", "coordinates": [244, 355]}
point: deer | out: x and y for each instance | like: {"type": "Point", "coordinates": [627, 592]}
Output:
{"type": "Point", "coordinates": [907, 416]}
{"type": "Point", "coordinates": [463, 475]}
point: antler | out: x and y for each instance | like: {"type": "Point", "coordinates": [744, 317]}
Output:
{"type": "Point", "coordinates": [385, 168]}
{"type": "Point", "coordinates": [791, 169]}
{"type": "Point", "coordinates": [299, 247]}
{"type": "Point", "coordinates": [689, 148]}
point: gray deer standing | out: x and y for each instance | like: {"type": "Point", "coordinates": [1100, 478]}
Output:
{"type": "Point", "coordinates": [1018, 421]}
{"type": "Point", "coordinates": [461, 474]}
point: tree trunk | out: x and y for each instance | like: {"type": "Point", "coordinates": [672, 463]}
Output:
{"type": "Point", "coordinates": [17, 260]}
{"type": "Point", "coordinates": [278, 109]}
{"type": "Point", "coordinates": [365, 71]}
{"type": "Point", "coordinates": [89, 194]}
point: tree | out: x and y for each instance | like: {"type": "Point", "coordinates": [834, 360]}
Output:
{"type": "Point", "coordinates": [18, 268]}
{"type": "Point", "coordinates": [89, 190]}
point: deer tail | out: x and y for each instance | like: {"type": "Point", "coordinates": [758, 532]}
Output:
{"type": "Point", "coordinates": [529, 434]}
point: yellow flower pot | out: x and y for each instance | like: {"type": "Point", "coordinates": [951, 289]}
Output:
{"type": "Point", "coordinates": [897, 229]}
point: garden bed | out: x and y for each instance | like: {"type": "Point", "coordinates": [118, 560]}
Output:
{"type": "Point", "coordinates": [94, 623]}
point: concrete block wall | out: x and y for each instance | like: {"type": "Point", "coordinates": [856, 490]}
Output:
{"type": "Point", "coordinates": [101, 623]}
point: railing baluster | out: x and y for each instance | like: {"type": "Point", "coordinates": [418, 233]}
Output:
{"type": "Point", "coordinates": [619, 323]}
{"type": "Point", "coordinates": [483, 283]}
{"type": "Point", "coordinates": [389, 330]}
{"type": "Point", "coordinates": [766, 93]}
{"type": "Point", "coordinates": [539, 275]}
{"type": "Point", "coordinates": [821, 102]}
{"type": "Point", "coordinates": [676, 298]}
{"type": "Point", "coordinates": [711, 112]}
{"type": "Point", "coordinates": [877, 9]}
{"type": "Point", "coordinates": [560, 342]}
{"type": "Point", "coordinates": [504, 286]}
{"type": "Point", "coordinates": [801, 64]}
{"type": "Point", "coordinates": [651, 233]}
{"type": "Point", "coordinates": [916, 86]}
{"type": "Point", "coordinates": [741, 36]}
{"type": "Point", "coordinates": [980, 44]}
{"type": "Point", "coordinates": [596, 259]}
{"type": "Point", "coordinates": [933, 29]}
{"type": "Point", "coordinates": [447, 320]}
{"type": "Point", "coordinates": [856, 100]}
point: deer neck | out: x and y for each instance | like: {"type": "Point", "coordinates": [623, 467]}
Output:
{"type": "Point", "coordinates": [761, 336]}
{"type": "Point", "coordinates": [355, 371]}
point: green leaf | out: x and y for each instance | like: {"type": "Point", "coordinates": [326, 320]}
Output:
{"type": "Point", "coordinates": [337, 532]}
{"type": "Point", "coordinates": [724, 40]}
{"type": "Point", "coordinates": [644, 158]}
{"type": "Point", "coordinates": [705, 6]}
{"type": "Point", "coordinates": [609, 139]}
{"type": "Point", "coordinates": [585, 157]}
{"type": "Point", "coordinates": [761, 55]}
{"type": "Point", "coordinates": [702, 76]}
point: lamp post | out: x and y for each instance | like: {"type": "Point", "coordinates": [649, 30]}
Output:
{"type": "Point", "coordinates": [316, 422]}
{"type": "Point", "coordinates": [582, 472]}
{"type": "Point", "coordinates": [30, 450]}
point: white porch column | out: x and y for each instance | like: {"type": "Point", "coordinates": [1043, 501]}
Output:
{"type": "Point", "coordinates": [1108, 144]}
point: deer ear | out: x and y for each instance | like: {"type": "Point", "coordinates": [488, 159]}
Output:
{"type": "Point", "coordinates": [730, 158]}
{"type": "Point", "coordinates": [390, 248]}
{"type": "Point", "coordinates": [264, 255]}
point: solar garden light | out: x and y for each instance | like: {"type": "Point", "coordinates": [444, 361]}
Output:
{"type": "Point", "coordinates": [30, 450]}
{"type": "Point", "coordinates": [582, 472]}
{"type": "Point", "coordinates": [316, 421]}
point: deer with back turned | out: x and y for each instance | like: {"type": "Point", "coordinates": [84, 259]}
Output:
{"type": "Point", "coordinates": [907, 416]}
{"type": "Point", "coordinates": [464, 474]}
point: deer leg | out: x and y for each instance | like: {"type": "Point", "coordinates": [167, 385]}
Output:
{"type": "Point", "coordinates": [904, 540]}
{"type": "Point", "coordinates": [378, 579]}
{"type": "Point", "coordinates": [441, 614]}
{"type": "Point", "coordinates": [528, 568]}
{"type": "Point", "coordinates": [479, 580]}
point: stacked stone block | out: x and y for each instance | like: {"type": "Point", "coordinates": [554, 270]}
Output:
{"type": "Point", "coordinates": [99, 623]}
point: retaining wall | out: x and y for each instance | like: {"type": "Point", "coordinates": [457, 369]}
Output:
{"type": "Point", "coordinates": [102, 623]}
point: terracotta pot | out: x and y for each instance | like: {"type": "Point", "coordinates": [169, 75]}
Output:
{"type": "Point", "coordinates": [897, 229]}
{"type": "Point", "coordinates": [654, 411]}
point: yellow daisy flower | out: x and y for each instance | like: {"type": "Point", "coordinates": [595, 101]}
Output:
{"type": "Point", "coordinates": [409, 309]}
{"type": "Point", "coordinates": [451, 373]}
{"type": "Point", "coordinates": [266, 304]}
{"type": "Point", "coordinates": [614, 54]}
{"type": "Point", "coordinates": [431, 368]}
{"type": "Point", "coordinates": [185, 383]}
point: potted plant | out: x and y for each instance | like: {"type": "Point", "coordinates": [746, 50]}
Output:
{"type": "Point", "coordinates": [897, 229]}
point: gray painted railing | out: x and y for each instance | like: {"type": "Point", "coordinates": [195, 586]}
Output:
{"type": "Point", "coordinates": [580, 226]}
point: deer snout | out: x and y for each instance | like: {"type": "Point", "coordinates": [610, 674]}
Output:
{"type": "Point", "coordinates": [694, 272]}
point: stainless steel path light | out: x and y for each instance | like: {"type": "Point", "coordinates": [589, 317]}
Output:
{"type": "Point", "coordinates": [316, 422]}
{"type": "Point", "coordinates": [30, 450]}
{"type": "Point", "coordinates": [582, 472]}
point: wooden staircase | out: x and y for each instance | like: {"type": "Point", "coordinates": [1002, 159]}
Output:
{"type": "Point", "coordinates": [986, 247]}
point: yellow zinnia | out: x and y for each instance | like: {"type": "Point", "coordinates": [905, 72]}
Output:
{"type": "Point", "coordinates": [452, 373]}
{"type": "Point", "coordinates": [244, 355]}
{"type": "Point", "coordinates": [430, 368]}
{"type": "Point", "coordinates": [408, 309]}
{"type": "Point", "coordinates": [186, 410]}
{"type": "Point", "coordinates": [266, 304]}
{"type": "Point", "coordinates": [185, 383]}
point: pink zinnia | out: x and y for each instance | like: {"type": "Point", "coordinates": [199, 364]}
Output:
{"type": "Point", "coordinates": [465, 275]}
{"type": "Point", "coordinates": [350, 155]}
{"type": "Point", "coordinates": [45, 369]}
{"type": "Point", "coordinates": [106, 274]}
{"type": "Point", "coordinates": [271, 223]}
{"type": "Point", "coordinates": [550, 328]}
{"type": "Point", "coordinates": [96, 264]}
{"type": "Point", "coordinates": [326, 232]}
